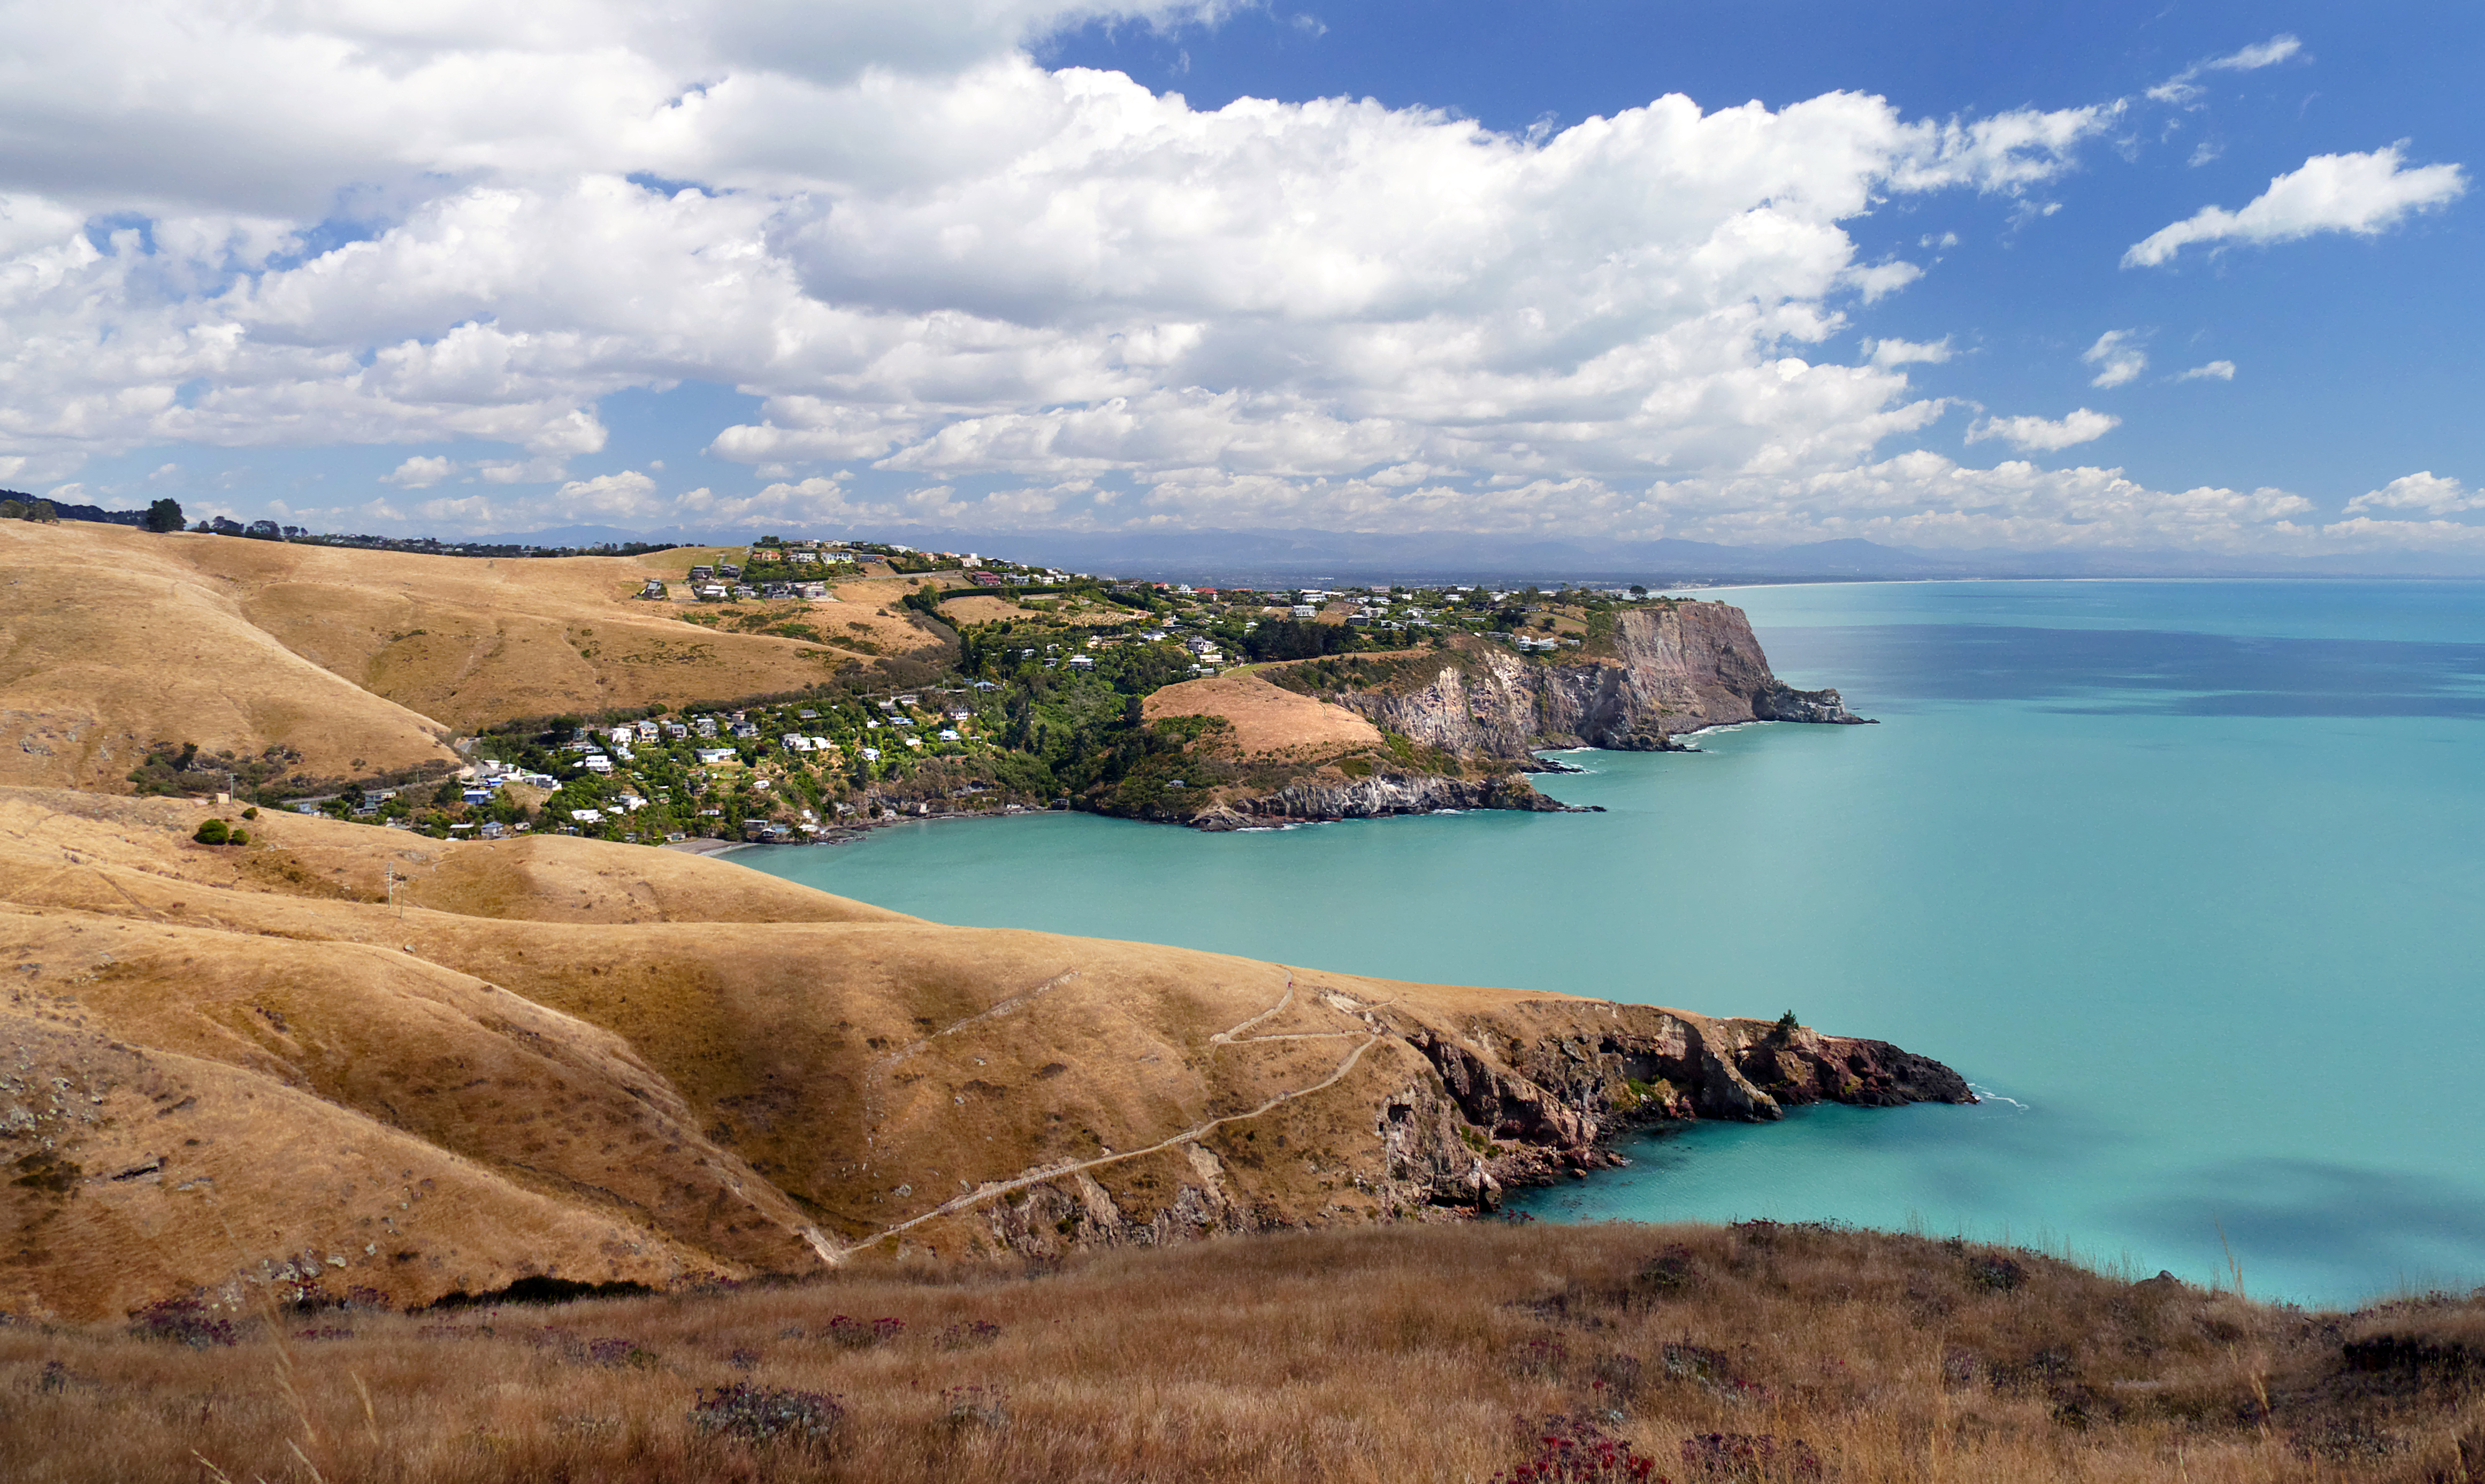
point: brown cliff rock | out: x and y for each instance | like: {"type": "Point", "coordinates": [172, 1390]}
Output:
{"type": "Point", "coordinates": [1666, 669]}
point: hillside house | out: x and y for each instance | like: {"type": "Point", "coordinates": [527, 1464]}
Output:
{"type": "Point", "coordinates": [597, 762]}
{"type": "Point", "coordinates": [710, 757]}
{"type": "Point", "coordinates": [702, 573]}
{"type": "Point", "coordinates": [655, 589]}
{"type": "Point", "coordinates": [816, 592]}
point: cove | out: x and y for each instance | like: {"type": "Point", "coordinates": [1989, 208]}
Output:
{"type": "Point", "coordinates": [2183, 875]}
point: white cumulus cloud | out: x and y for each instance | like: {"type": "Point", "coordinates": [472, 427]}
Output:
{"type": "Point", "coordinates": [2366, 194]}
{"type": "Point", "coordinates": [419, 472]}
{"type": "Point", "coordinates": [628, 494]}
{"type": "Point", "coordinates": [1905, 352]}
{"type": "Point", "coordinates": [2045, 435]}
{"type": "Point", "coordinates": [2117, 357]}
{"type": "Point", "coordinates": [2424, 492]}
{"type": "Point", "coordinates": [2214, 371]}
{"type": "Point", "coordinates": [2183, 87]}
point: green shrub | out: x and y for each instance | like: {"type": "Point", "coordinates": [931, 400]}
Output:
{"type": "Point", "coordinates": [214, 832]}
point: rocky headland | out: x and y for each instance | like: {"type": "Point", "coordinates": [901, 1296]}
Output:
{"type": "Point", "coordinates": [243, 1071]}
{"type": "Point", "coordinates": [1458, 726]}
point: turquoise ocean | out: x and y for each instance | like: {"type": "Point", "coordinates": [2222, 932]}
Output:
{"type": "Point", "coordinates": [2184, 877]}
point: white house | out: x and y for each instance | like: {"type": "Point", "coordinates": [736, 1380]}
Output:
{"type": "Point", "coordinates": [597, 762]}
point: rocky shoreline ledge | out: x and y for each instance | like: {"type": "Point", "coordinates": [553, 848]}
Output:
{"type": "Point", "coordinates": [1459, 1110]}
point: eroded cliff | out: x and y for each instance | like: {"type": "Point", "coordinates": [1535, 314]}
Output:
{"type": "Point", "coordinates": [1661, 671]}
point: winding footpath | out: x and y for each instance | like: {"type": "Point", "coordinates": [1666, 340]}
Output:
{"type": "Point", "coordinates": [1229, 1038]}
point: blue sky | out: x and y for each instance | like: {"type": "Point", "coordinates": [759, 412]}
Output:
{"type": "Point", "coordinates": [1901, 272]}
{"type": "Point", "coordinates": [2365, 354]}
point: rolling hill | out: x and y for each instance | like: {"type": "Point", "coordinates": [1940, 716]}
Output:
{"type": "Point", "coordinates": [351, 663]}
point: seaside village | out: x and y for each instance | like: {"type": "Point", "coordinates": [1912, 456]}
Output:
{"type": "Point", "coordinates": [1072, 654]}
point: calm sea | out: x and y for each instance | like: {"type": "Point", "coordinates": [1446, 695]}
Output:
{"type": "Point", "coordinates": [2185, 877]}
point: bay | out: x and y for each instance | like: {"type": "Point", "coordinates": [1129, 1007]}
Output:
{"type": "Point", "coordinates": [2184, 876]}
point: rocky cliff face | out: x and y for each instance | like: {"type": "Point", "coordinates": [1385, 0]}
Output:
{"type": "Point", "coordinates": [1671, 670]}
{"type": "Point", "coordinates": [1450, 1112]}
{"type": "Point", "coordinates": [1547, 1085]}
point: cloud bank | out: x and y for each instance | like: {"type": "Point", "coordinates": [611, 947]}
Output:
{"type": "Point", "coordinates": [964, 287]}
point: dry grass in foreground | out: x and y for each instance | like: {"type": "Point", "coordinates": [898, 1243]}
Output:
{"type": "Point", "coordinates": [1754, 1353]}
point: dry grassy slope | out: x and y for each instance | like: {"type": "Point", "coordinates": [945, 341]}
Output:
{"type": "Point", "coordinates": [1266, 719]}
{"type": "Point", "coordinates": [1371, 1357]}
{"type": "Point", "coordinates": [112, 639]}
{"type": "Point", "coordinates": [633, 1063]}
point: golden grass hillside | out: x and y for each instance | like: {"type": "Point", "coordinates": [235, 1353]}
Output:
{"type": "Point", "coordinates": [1751, 1354]}
{"type": "Point", "coordinates": [113, 640]}
{"type": "Point", "coordinates": [235, 1069]}
{"type": "Point", "coordinates": [1265, 720]}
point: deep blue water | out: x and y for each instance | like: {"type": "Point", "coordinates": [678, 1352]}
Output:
{"type": "Point", "coordinates": [2184, 874]}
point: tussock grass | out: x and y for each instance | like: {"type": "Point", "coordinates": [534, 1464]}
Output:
{"type": "Point", "coordinates": [1755, 1353]}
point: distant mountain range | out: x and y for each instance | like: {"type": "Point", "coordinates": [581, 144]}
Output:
{"type": "Point", "coordinates": [1282, 557]}
{"type": "Point", "coordinates": [1293, 556]}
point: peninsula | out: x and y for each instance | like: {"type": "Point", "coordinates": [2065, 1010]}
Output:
{"type": "Point", "coordinates": [794, 690]}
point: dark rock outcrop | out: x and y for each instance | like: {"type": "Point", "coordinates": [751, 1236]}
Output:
{"type": "Point", "coordinates": [1536, 1091]}
{"type": "Point", "coordinates": [1371, 798]}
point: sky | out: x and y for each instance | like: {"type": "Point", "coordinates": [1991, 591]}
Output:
{"type": "Point", "coordinates": [2162, 276]}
